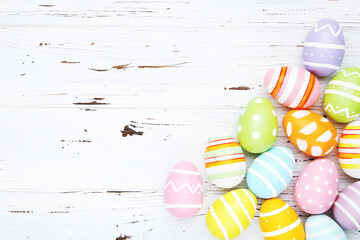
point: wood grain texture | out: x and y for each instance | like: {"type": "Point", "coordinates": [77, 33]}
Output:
{"type": "Point", "coordinates": [99, 99]}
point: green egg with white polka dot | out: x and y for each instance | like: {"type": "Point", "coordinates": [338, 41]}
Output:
{"type": "Point", "coordinates": [342, 96]}
{"type": "Point", "coordinates": [257, 126]}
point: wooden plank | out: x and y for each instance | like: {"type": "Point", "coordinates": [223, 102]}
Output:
{"type": "Point", "coordinates": [72, 149]}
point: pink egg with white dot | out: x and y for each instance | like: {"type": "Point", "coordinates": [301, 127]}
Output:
{"type": "Point", "coordinates": [316, 187]}
{"type": "Point", "coordinates": [183, 191]}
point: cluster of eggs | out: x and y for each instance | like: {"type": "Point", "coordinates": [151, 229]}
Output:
{"type": "Point", "coordinates": [316, 188]}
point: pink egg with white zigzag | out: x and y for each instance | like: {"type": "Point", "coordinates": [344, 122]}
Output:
{"type": "Point", "coordinates": [183, 192]}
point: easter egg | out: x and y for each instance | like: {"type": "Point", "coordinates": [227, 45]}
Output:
{"type": "Point", "coordinates": [231, 214]}
{"type": "Point", "coordinates": [271, 172]}
{"type": "Point", "coordinates": [324, 48]}
{"type": "Point", "coordinates": [293, 87]}
{"type": "Point", "coordinates": [257, 126]}
{"type": "Point", "coordinates": [278, 221]}
{"type": "Point", "coordinates": [347, 207]}
{"type": "Point", "coordinates": [316, 187]}
{"type": "Point", "coordinates": [224, 162]}
{"type": "Point", "coordinates": [349, 149]}
{"type": "Point", "coordinates": [310, 132]}
{"type": "Point", "coordinates": [342, 96]}
{"type": "Point", "coordinates": [183, 191]}
{"type": "Point", "coordinates": [323, 227]}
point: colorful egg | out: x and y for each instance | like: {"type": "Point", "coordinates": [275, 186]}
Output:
{"type": "Point", "coordinates": [310, 132]}
{"type": "Point", "coordinates": [324, 48]}
{"type": "Point", "coordinates": [225, 162]}
{"type": "Point", "coordinates": [183, 192]}
{"type": "Point", "coordinates": [271, 172]}
{"type": "Point", "coordinates": [323, 227]}
{"type": "Point", "coordinates": [317, 186]}
{"type": "Point", "coordinates": [342, 96]}
{"type": "Point", "coordinates": [347, 207]}
{"type": "Point", "coordinates": [231, 214]}
{"type": "Point", "coordinates": [349, 149]}
{"type": "Point", "coordinates": [258, 125]}
{"type": "Point", "coordinates": [278, 221]}
{"type": "Point", "coordinates": [293, 87]}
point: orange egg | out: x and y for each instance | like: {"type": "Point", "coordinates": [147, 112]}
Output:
{"type": "Point", "coordinates": [278, 221]}
{"type": "Point", "coordinates": [310, 132]}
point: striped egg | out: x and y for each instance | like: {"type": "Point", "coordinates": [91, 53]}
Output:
{"type": "Point", "coordinates": [310, 132]}
{"type": "Point", "coordinates": [271, 172]}
{"type": "Point", "coordinates": [342, 96]}
{"type": "Point", "coordinates": [231, 214]}
{"type": "Point", "coordinates": [278, 221]}
{"type": "Point", "coordinates": [324, 48]}
{"type": "Point", "coordinates": [349, 149]}
{"type": "Point", "coordinates": [183, 191]}
{"type": "Point", "coordinates": [293, 87]}
{"type": "Point", "coordinates": [323, 227]}
{"type": "Point", "coordinates": [225, 162]}
{"type": "Point", "coordinates": [347, 207]}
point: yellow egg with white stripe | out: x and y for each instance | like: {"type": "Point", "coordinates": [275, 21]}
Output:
{"type": "Point", "coordinates": [278, 221]}
{"type": "Point", "coordinates": [231, 214]}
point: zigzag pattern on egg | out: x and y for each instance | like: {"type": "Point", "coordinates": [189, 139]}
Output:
{"type": "Point", "coordinates": [185, 185]}
{"type": "Point", "coordinates": [345, 110]}
{"type": "Point", "coordinates": [317, 29]}
{"type": "Point", "coordinates": [324, 48]}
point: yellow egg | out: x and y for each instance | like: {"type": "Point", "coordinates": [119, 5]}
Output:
{"type": "Point", "coordinates": [278, 221]}
{"type": "Point", "coordinates": [231, 214]}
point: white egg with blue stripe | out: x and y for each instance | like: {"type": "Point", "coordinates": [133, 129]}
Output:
{"type": "Point", "coordinates": [271, 172]}
{"type": "Point", "coordinates": [323, 227]}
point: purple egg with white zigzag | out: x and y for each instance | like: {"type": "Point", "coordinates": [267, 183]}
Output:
{"type": "Point", "coordinates": [324, 48]}
{"type": "Point", "coordinates": [347, 207]}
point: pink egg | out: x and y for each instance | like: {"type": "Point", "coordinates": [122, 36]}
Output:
{"type": "Point", "coordinates": [317, 186]}
{"type": "Point", "coordinates": [183, 192]}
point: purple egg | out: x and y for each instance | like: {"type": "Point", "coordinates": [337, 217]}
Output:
{"type": "Point", "coordinates": [324, 48]}
{"type": "Point", "coordinates": [347, 207]}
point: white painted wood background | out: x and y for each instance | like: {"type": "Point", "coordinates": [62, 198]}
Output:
{"type": "Point", "coordinates": [66, 169]}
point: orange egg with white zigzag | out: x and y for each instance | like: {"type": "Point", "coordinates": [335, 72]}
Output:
{"type": "Point", "coordinates": [278, 221]}
{"type": "Point", "coordinates": [310, 132]}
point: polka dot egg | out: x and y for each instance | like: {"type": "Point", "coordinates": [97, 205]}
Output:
{"type": "Point", "coordinates": [316, 187]}
{"type": "Point", "coordinates": [310, 132]}
{"type": "Point", "coordinates": [324, 48]}
{"type": "Point", "coordinates": [279, 221]}
{"type": "Point", "coordinates": [257, 126]}
{"type": "Point", "coordinates": [342, 96]}
{"type": "Point", "coordinates": [271, 172]}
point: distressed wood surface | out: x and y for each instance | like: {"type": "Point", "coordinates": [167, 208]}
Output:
{"type": "Point", "coordinates": [99, 99]}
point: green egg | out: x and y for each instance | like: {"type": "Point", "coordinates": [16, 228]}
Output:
{"type": "Point", "coordinates": [342, 96]}
{"type": "Point", "coordinates": [257, 126]}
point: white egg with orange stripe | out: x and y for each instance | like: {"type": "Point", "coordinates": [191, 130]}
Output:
{"type": "Point", "coordinates": [225, 162]}
{"type": "Point", "coordinates": [349, 149]}
{"type": "Point", "coordinates": [278, 221]}
{"type": "Point", "coordinates": [293, 87]}
{"type": "Point", "coordinates": [231, 214]}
